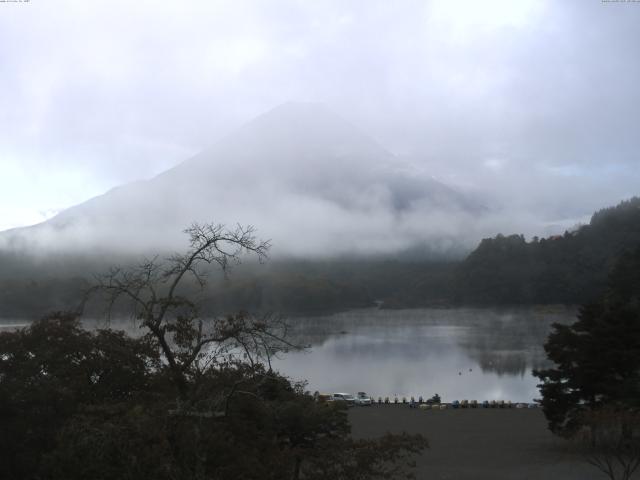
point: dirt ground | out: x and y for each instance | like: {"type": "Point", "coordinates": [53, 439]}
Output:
{"type": "Point", "coordinates": [479, 444]}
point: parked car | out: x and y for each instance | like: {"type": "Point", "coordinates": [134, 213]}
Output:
{"type": "Point", "coordinates": [363, 399]}
{"type": "Point", "coordinates": [323, 398]}
{"type": "Point", "coordinates": [344, 397]}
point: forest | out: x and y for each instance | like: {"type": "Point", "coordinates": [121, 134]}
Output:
{"type": "Point", "coordinates": [571, 268]}
{"type": "Point", "coordinates": [504, 270]}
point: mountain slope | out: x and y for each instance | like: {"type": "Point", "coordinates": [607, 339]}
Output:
{"type": "Point", "coordinates": [302, 175]}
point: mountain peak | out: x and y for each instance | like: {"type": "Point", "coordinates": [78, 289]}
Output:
{"type": "Point", "coordinates": [297, 134]}
{"type": "Point", "coordinates": [302, 115]}
{"type": "Point", "coordinates": [300, 173]}
{"type": "Point", "coordinates": [305, 120]}
{"type": "Point", "coordinates": [296, 109]}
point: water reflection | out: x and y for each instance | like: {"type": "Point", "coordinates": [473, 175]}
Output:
{"type": "Point", "coordinates": [7, 325]}
{"type": "Point", "coordinates": [458, 353]}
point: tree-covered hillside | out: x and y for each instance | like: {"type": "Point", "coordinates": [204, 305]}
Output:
{"type": "Point", "coordinates": [30, 288]}
{"type": "Point", "coordinates": [569, 268]}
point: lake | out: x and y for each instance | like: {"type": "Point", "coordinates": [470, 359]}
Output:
{"type": "Point", "coordinates": [459, 353]}
{"type": "Point", "coordinates": [465, 353]}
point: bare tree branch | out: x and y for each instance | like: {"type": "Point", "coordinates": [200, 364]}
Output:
{"type": "Point", "coordinates": [156, 293]}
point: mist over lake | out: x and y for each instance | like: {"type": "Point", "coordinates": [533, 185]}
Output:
{"type": "Point", "coordinates": [461, 353]}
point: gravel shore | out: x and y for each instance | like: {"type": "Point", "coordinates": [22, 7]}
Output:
{"type": "Point", "coordinates": [478, 444]}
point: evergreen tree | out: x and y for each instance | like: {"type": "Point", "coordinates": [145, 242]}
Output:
{"type": "Point", "coordinates": [597, 358]}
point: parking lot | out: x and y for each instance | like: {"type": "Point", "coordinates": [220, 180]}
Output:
{"type": "Point", "coordinates": [492, 443]}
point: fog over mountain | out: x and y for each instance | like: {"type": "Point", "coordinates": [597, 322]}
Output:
{"type": "Point", "coordinates": [303, 176]}
{"type": "Point", "coordinates": [531, 105]}
{"type": "Point", "coordinates": [453, 119]}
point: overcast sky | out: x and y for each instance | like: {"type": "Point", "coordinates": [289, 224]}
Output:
{"type": "Point", "coordinates": [533, 103]}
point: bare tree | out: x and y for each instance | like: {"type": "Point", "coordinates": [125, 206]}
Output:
{"type": "Point", "coordinates": [613, 442]}
{"type": "Point", "coordinates": [160, 294]}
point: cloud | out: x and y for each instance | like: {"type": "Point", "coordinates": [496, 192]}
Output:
{"type": "Point", "coordinates": [530, 104]}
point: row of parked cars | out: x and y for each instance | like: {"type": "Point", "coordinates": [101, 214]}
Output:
{"type": "Point", "coordinates": [361, 399]}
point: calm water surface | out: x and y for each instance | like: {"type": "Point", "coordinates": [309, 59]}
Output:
{"type": "Point", "coordinates": [458, 353]}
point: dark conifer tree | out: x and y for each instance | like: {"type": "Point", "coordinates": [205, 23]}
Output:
{"type": "Point", "coordinates": [597, 359]}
